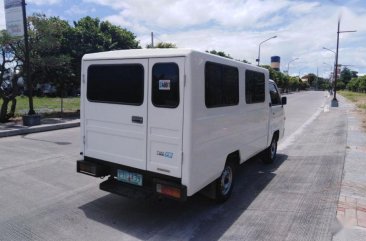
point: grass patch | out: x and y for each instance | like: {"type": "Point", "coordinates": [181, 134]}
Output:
{"type": "Point", "coordinates": [44, 105]}
{"type": "Point", "coordinates": [362, 106]}
{"type": "Point", "coordinates": [360, 101]}
{"type": "Point", "coordinates": [358, 98]}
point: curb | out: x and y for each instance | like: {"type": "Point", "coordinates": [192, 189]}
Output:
{"type": "Point", "coordinates": [41, 128]}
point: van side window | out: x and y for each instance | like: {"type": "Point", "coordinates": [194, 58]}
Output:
{"type": "Point", "coordinates": [117, 83]}
{"type": "Point", "coordinates": [275, 96]}
{"type": "Point", "coordinates": [165, 85]}
{"type": "Point", "coordinates": [254, 87]}
{"type": "Point", "coordinates": [221, 85]}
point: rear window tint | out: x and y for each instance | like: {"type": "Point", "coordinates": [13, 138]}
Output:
{"type": "Point", "coordinates": [118, 83]}
{"type": "Point", "coordinates": [165, 85]}
{"type": "Point", "coordinates": [221, 85]}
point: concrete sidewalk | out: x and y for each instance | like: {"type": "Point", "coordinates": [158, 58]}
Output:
{"type": "Point", "coordinates": [47, 124]}
{"type": "Point", "coordinates": [351, 210]}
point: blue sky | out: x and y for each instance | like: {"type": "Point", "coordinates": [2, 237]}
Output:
{"type": "Point", "coordinates": [235, 26]}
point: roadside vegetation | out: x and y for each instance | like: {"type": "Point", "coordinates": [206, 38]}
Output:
{"type": "Point", "coordinates": [360, 101]}
{"type": "Point", "coordinates": [355, 91]}
{"type": "Point", "coordinates": [56, 48]}
{"type": "Point", "coordinates": [48, 106]}
{"type": "Point", "coordinates": [358, 98]}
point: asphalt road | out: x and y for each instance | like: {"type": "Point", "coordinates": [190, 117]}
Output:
{"type": "Point", "coordinates": [43, 198]}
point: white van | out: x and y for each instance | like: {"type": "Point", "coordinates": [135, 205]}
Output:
{"type": "Point", "coordinates": [174, 121]}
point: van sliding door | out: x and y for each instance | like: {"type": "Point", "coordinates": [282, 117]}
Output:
{"type": "Point", "coordinates": [165, 115]}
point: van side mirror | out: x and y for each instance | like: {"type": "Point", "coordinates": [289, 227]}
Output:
{"type": "Point", "coordinates": [284, 100]}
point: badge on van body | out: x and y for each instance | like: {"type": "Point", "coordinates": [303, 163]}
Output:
{"type": "Point", "coordinates": [165, 154]}
{"type": "Point", "coordinates": [164, 84]}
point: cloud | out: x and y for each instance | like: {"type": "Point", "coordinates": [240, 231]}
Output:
{"type": "Point", "coordinates": [191, 13]}
{"type": "Point", "coordinates": [44, 2]}
{"type": "Point", "coordinates": [238, 26]}
{"type": "Point", "coordinates": [303, 7]}
{"type": "Point", "coordinates": [78, 10]}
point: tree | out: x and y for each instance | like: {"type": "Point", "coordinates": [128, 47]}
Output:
{"type": "Point", "coordinates": [354, 74]}
{"type": "Point", "coordinates": [303, 84]}
{"type": "Point", "coordinates": [45, 37]}
{"type": "Point", "coordinates": [312, 79]}
{"type": "Point", "coordinates": [90, 35]}
{"type": "Point", "coordinates": [353, 84]}
{"type": "Point", "coordinates": [276, 76]}
{"type": "Point", "coordinates": [323, 84]}
{"type": "Point", "coordinates": [245, 61]}
{"type": "Point", "coordinates": [294, 83]}
{"type": "Point", "coordinates": [346, 75]}
{"type": "Point", "coordinates": [362, 83]}
{"type": "Point", "coordinates": [219, 53]}
{"type": "Point", "coordinates": [162, 45]}
{"type": "Point", "coordinates": [8, 78]}
{"type": "Point", "coordinates": [340, 85]}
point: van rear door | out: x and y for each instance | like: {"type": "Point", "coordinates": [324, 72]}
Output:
{"type": "Point", "coordinates": [115, 111]}
{"type": "Point", "coordinates": [165, 115]}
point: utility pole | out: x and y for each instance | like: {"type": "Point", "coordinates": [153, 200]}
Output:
{"type": "Point", "coordinates": [152, 39]}
{"type": "Point", "coordinates": [27, 67]}
{"type": "Point", "coordinates": [335, 101]}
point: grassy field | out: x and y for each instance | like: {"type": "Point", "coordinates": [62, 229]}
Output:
{"type": "Point", "coordinates": [46, 104]}
{"type": "Point", "coordinates": [358, 98]}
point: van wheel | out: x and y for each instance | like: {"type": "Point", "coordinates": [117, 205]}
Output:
{"type": "Point", "coordinates": [271, 152]}
{"type": "Point", "coordinates": [225, 183]}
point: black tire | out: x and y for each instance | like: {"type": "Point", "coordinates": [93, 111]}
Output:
{"type": "Point", "coordinates": [225, 183]}
{"type": "Point", "coordinates": [270, 153]}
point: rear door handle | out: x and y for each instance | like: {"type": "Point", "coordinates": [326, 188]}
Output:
{"type": "Point", "coordinates": [137, 119]}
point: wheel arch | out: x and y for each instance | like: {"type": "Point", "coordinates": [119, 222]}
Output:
{"type": "Point", "coordinates": [233, 157]}
{"type": "Point", "coordinates": [276, 135]}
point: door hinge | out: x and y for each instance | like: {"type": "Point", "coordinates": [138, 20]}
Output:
{"type": "Point", "coordinates": [185, 80]}
{"type": "Point", "coordinates": [84, 140]}
{"type": "Point", "coordinates": [182, 158]}
{"type": "Point", "coordinates": [83, 78]}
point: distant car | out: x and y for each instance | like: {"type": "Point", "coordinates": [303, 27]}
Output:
{"type": "Point", "coordinates": [46, 89]}
{"type": "Point", "coordinates": [49, 90]}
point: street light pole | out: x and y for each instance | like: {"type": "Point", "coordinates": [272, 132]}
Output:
{"type": "Point", "coordinates": [259, 49]}
{"type": "Point", "coordinates": [288, 65]}
{"type": "Point", "coordinates": [329, 50]}
{"type": "Point", "coordinates": [335, 101]}
{"type": "Point", "coordinates": [334, 61]}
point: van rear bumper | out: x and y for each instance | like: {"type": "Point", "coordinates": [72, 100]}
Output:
{"type": "Point", "coordinates": [152, 183]}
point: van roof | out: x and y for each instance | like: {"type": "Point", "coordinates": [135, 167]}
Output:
{"type": "Point", "coordinates": [140, 53]}
{"type": "Point", "coordinates": [155, 53]}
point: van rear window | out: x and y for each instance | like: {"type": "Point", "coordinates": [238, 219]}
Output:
{"type": "Point", "coordinates": [165, 85]}
{"type": "Point", "coordinates": [117, 83]}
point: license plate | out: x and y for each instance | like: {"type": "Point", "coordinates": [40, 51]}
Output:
{"type": "Point", "coordinates": [129, 177]}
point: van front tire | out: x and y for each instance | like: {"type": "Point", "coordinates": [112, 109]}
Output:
{"type": "Point", "coordinates": [270, 153]}
{"type": "Point", "coordinates": [225, 183]}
